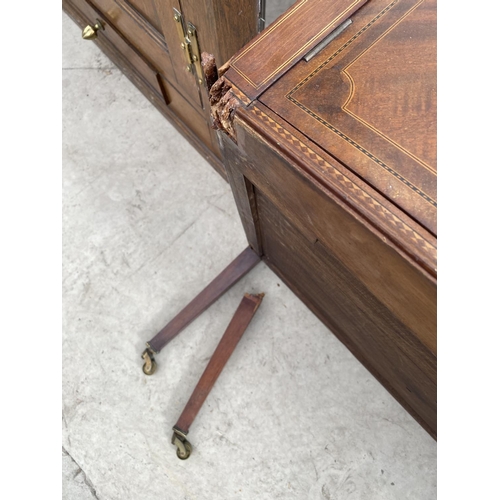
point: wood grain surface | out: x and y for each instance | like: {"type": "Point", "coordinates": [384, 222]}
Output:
{"type": "Point", "coordinates": [396, 228]}
{"type": "Point", "coordinates": [370, 99]}
{"type": "Point", "coordinates": [385, 345]}
{"type": "Point", "coordinates": [399, 283]}
{"type": "Point", "coordinates": [240, 266]}
{"type": "Point", "coordinates": [381, 304]}
{"type": "Point", "coordinates": [333, 170]}
{"type": "Point", "coordinates": [147, 10]}
{"type": "Point", "coordinates": [274, 51]}
{"type": "Point", "coordinates": [235, 330]}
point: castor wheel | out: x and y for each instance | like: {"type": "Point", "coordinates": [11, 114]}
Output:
{"type": "Point", "coordinates": [184, 447]}
{"type": "Point", "coordinates": [184, 454]}
{"type": "Point", "coordinates": [149, 366]}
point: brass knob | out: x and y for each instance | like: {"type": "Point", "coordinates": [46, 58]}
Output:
{"type": "Point", "coordinates": [90, 32]}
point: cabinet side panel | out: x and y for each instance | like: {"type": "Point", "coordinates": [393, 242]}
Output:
{"type": "Point", "coordinates": [378, 339]}
{"type": "Point", "coordinates": [319, 215]}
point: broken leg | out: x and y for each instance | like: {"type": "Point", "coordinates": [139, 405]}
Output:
{"type": "Point", "coordinates": [223, 282]}
{"type": "Point", "coordinates": [241, 319]}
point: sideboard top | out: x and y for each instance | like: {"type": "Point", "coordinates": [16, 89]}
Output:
{"type": "Point", "coordinates": [368, 98]}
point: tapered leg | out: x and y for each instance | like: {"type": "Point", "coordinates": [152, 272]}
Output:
{"type": "Point", "coordinates": [240, 266]}
{"type": "Point", "coordinates": [241, 319]}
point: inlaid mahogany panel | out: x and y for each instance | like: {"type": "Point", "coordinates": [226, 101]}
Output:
{"type": "Point", "coordinates": [369, 98]}
{"type": "Point", "coordinates": [333, 170]}
{"type": "Point", "coordinates": [260, 63]}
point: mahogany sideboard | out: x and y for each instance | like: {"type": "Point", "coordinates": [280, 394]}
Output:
{"type": "Point", "coordinates": [157, 45]}
{"type": "Point", "coordinates": [328, 125]}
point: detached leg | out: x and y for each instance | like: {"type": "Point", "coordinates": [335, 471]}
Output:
{"type": "Point", "coordinates": [223, 282]}
{"type": "Point", "coordinates": [241, 319]}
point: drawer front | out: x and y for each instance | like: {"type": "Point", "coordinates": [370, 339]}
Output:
{"type": "Point", "coordinates": [138, 32]}
{"type": "Point", "coordinates": [128, 51]}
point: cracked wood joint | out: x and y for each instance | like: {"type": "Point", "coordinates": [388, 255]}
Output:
{"type": "Point", "coordinates": [223, 103]}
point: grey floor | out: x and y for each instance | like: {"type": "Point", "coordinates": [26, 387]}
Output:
{"type": "Point", "coordinates": [146, 224]}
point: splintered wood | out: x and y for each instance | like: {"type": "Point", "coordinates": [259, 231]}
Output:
{"type": "Point", "coordinates": [223, 102]}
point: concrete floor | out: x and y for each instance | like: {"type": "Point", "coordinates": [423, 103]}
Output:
{"type": "Point", "coordinates": [147, 223]}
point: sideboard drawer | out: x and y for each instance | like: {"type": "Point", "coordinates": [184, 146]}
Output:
{"type": "Point", "coordinates": [128, 51]}
{"type": "Point", "coordinates": [138, 32]}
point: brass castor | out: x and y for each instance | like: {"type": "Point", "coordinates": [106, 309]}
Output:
{"type": "Point", "coordinates": [184, 447]}
{"type": "Point", "coordinates": [149, 366]}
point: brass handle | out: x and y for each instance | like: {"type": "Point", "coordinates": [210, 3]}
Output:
{"type": "Point", "coordinates": [90, 32]}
